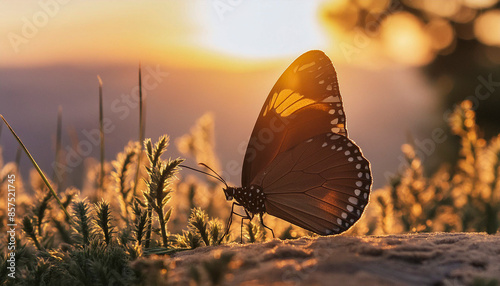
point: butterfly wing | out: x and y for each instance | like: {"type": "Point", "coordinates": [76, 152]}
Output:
{"type": "Point", "coordinates": [304, 102]}
{"type": "Point", "coordinates": [322, 184]}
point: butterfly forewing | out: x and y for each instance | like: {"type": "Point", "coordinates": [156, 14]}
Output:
{"type": "Point", "coordinates": [303, 103]}
{"type": "Point", "coordinates": [322, 184]}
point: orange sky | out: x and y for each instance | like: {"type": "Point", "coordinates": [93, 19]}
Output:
{"type": "Point", "coordinates": [182, 33]}
{"type": "Point", "coordinates": [214, 34]}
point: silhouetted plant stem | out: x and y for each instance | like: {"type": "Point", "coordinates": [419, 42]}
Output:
{"type": "Point", "coordinates": [56, 176]}
{"type": "Point", "coordinates": [141, 134]}
{"type": "Point", "coordinates": [44, 178]}
{"type": "Point", "coordinates": [150, 227]}
{"type": "Point", "coordinates": [101, 135]}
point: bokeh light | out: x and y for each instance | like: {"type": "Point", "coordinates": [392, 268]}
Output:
{"type": "Point", "coordinates": [405, 39]}
{"type": "Point", "coordinates": [487, 28]}
{"type": "Point", "coordinates": [441, 33]}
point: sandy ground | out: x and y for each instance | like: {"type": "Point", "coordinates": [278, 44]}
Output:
{"type": "Point", "coordinates": [410, 259]}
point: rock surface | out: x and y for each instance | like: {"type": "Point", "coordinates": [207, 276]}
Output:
{"type": "Point", "coordinates": [406, 259]}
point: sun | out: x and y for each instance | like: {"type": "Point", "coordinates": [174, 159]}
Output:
{"type": "Point", "coordinates": [262, 30]}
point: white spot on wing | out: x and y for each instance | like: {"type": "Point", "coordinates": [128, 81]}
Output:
{"type": "Point", "coordinates": [303, 67]}
{"type": "Point", "coordinates": [335, 137]}
{"type": "Point", "coordinates": [353, 200]}
{"type": "Point", "coordinates": [332, 99]}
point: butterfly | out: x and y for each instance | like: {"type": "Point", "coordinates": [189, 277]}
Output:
{"type": "Point", "coordinates": [300, 164]}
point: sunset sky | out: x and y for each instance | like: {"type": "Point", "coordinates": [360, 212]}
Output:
{"type": "Point", "coordinates": [184, 33]}
{"type": "Point", "coordinates": [220, 56]}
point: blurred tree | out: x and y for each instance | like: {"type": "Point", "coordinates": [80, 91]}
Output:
{"type": "Point", "coordinates": [456, 42]}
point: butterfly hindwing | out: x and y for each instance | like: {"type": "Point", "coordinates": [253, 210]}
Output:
{"type": "Point", "coordinates": [304, 102]}
{"type": "Point", "coordinates": [322, 184]}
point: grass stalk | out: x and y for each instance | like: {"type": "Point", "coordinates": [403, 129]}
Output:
{"type": "Point", "coordinates": [42, 175]}
{"type": "Point", "coordinates": [141, 133]}
{"type": "Point", "coordinates": [56, 176]}
{"type": "Point", "coordinates": [101, 135]}
{"type": "Point", "coordinates": [104, 220]}
{"type": "Point", "coordinates": [29, 229]}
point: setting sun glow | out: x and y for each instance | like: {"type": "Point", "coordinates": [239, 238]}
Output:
{"type": "Point", "coordinates": [295, 29]}
{"type": "Point", "coordinates": [193, 34]}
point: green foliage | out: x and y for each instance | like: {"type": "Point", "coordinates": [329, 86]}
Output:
{"type": "Point", "coordinates": [254, 232]}
{"type": "Point", "coordinates": [202, 231]}
{"type": "Point", "coordinates": [29, 229]}
{"type": "Point", "coordinates": [215, 231]}
{"type": "Point", "coordinates": [465, 197]}
{"type": "Point", "coordinates": [39, 211]}
{"type": "Point", "coordinates": [161, 173]}
{"type": "Point", "coordinates": [121, 176]}
{"type": "Point", "coordinates": [104, 221]}
{"type": "Point", "coordinates": [141, 222]}
{"type": "Point", "coordinates": [83, 226]}
{"type": "Point", "coordinates": [188, 239]}
{"type": "Point", "coordinates": [199, 222]}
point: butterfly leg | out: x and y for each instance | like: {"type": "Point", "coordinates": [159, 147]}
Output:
{"type": "Point", "coordinates": [262, 222]}
{"type": "Point", "coordinates": [229, 221]}
{"type": "Point", "coordinates": [249, 217]}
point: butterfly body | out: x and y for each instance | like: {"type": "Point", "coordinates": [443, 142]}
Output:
{"type": "Point", "coordinates": [252, 198]}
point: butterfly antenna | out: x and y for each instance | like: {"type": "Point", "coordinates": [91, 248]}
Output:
{"type": "Point", "coordinates": [221, 179]}
{"type": "Point", "coordinates": [208, 174]}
